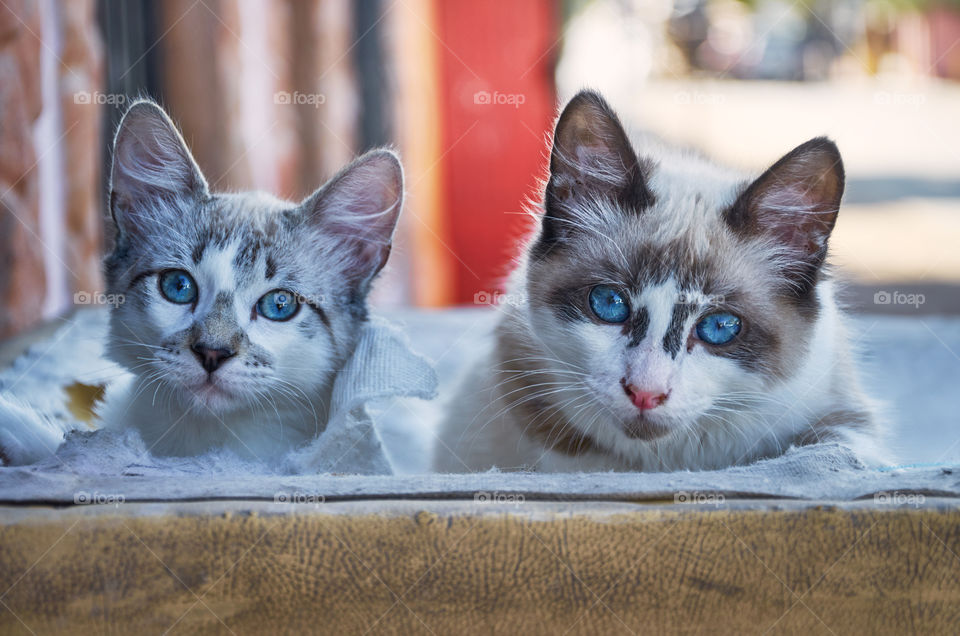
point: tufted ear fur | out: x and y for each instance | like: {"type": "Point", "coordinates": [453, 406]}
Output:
{"type": "Point", "coordinates": [360, 206]}
{"type": "Point", "coordinates": [152, 168]}
{"type": "Point", "coordinates": [591, 158]}
{"type": "Point", "coordinates": [795, 203]}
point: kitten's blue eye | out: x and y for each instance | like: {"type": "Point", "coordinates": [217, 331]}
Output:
{"type": "Point", "coordinates": [719, 328]}
{"type": "Point", "coordinates": [177, 286]}
{"type": "Point", "coordinates": [280, 304]}
{"type": "Point", "coordinates": [608, 304]}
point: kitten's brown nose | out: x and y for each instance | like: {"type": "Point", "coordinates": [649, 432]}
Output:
{"type": "Point", "coordinates": [210, 358]}
{"type": "Point", "coordinates": [645, 400]}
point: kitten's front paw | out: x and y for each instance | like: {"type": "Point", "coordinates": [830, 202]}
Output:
{"type": "Point", "coordinates": [26, 437]}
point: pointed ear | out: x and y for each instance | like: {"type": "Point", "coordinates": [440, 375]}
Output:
{"type": "Point", "coordinates": [360, 207]}
{"type": "Point", "coordinates": [591, 158]}
{"type": "Point", "coordinates": [151, 166]}
{"type": "Point", "coordinates": [795, 202]}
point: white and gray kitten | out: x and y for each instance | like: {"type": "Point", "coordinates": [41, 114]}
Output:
{"type": "Point", "coordinates": [239, 309]}
{"type": "Point", "coordinates": [672, 314]}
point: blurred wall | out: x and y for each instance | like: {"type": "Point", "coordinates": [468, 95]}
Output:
{"type": "Point", "coordinates": [264, 91]}
{"type": "Point", "coordinates": [49, 161]}
{"type": "Point", "coordinates": [276, 95]}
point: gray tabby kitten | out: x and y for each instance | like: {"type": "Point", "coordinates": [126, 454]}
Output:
{"type": "Point", "coordinates": [239, 309]}
{"type": "Point", "coordinates": [673, 314]}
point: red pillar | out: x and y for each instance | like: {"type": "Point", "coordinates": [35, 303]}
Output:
{"type": "Point", "coordinates": [497, 105]}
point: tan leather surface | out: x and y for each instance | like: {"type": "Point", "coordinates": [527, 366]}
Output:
{"type": "Point", "coordinates": [457, 567]}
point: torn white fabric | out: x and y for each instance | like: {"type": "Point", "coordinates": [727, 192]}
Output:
{"type": "Point", "coordinates": [382, 366]}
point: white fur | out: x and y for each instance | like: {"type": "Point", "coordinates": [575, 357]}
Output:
{"type": "Point", "coordinates": [27, 437]}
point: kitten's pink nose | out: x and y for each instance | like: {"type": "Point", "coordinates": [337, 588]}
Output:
{"type": "Point", "coordinates": [645, 400]}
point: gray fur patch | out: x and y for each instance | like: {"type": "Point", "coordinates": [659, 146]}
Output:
{"type": "Point", "coordinates": [637, 326]}
{"type": "Point", "coordinates": [676, 334]}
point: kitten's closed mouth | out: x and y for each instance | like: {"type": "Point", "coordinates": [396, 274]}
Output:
{"type": "Point", "coordinates": [643, 428]}
{"type": "Point", "coordinates": [212, 392]}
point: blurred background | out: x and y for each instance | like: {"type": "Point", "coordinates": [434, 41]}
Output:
{"type": "Point", "coordinates": [278, 94]}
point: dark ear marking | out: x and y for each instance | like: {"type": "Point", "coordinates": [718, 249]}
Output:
{"type": "Point", "coordinates": [676, 335]}
{"type": "Point", "coordinates": [197, 253]}
{"type": "Point", "coordinates": [637, 326]}
{"type": "Point", "coordinates": [795, 202]}
{"type": "Point", "coordinates": [566, 304]}
{"type": "Point", "coordinates": [591, 158]}
{"type": "Point", "coordinates": [321, 314]}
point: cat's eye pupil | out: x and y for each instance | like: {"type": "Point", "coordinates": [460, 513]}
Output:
{"type": "Point", "coordinates": [178, 286]}
{"type": "Point", "coordinates": [608, 304]}
{"type": "Point", "coordinates": [719, 328]}
{"type": "Point", "coordinates": [278, 304]}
